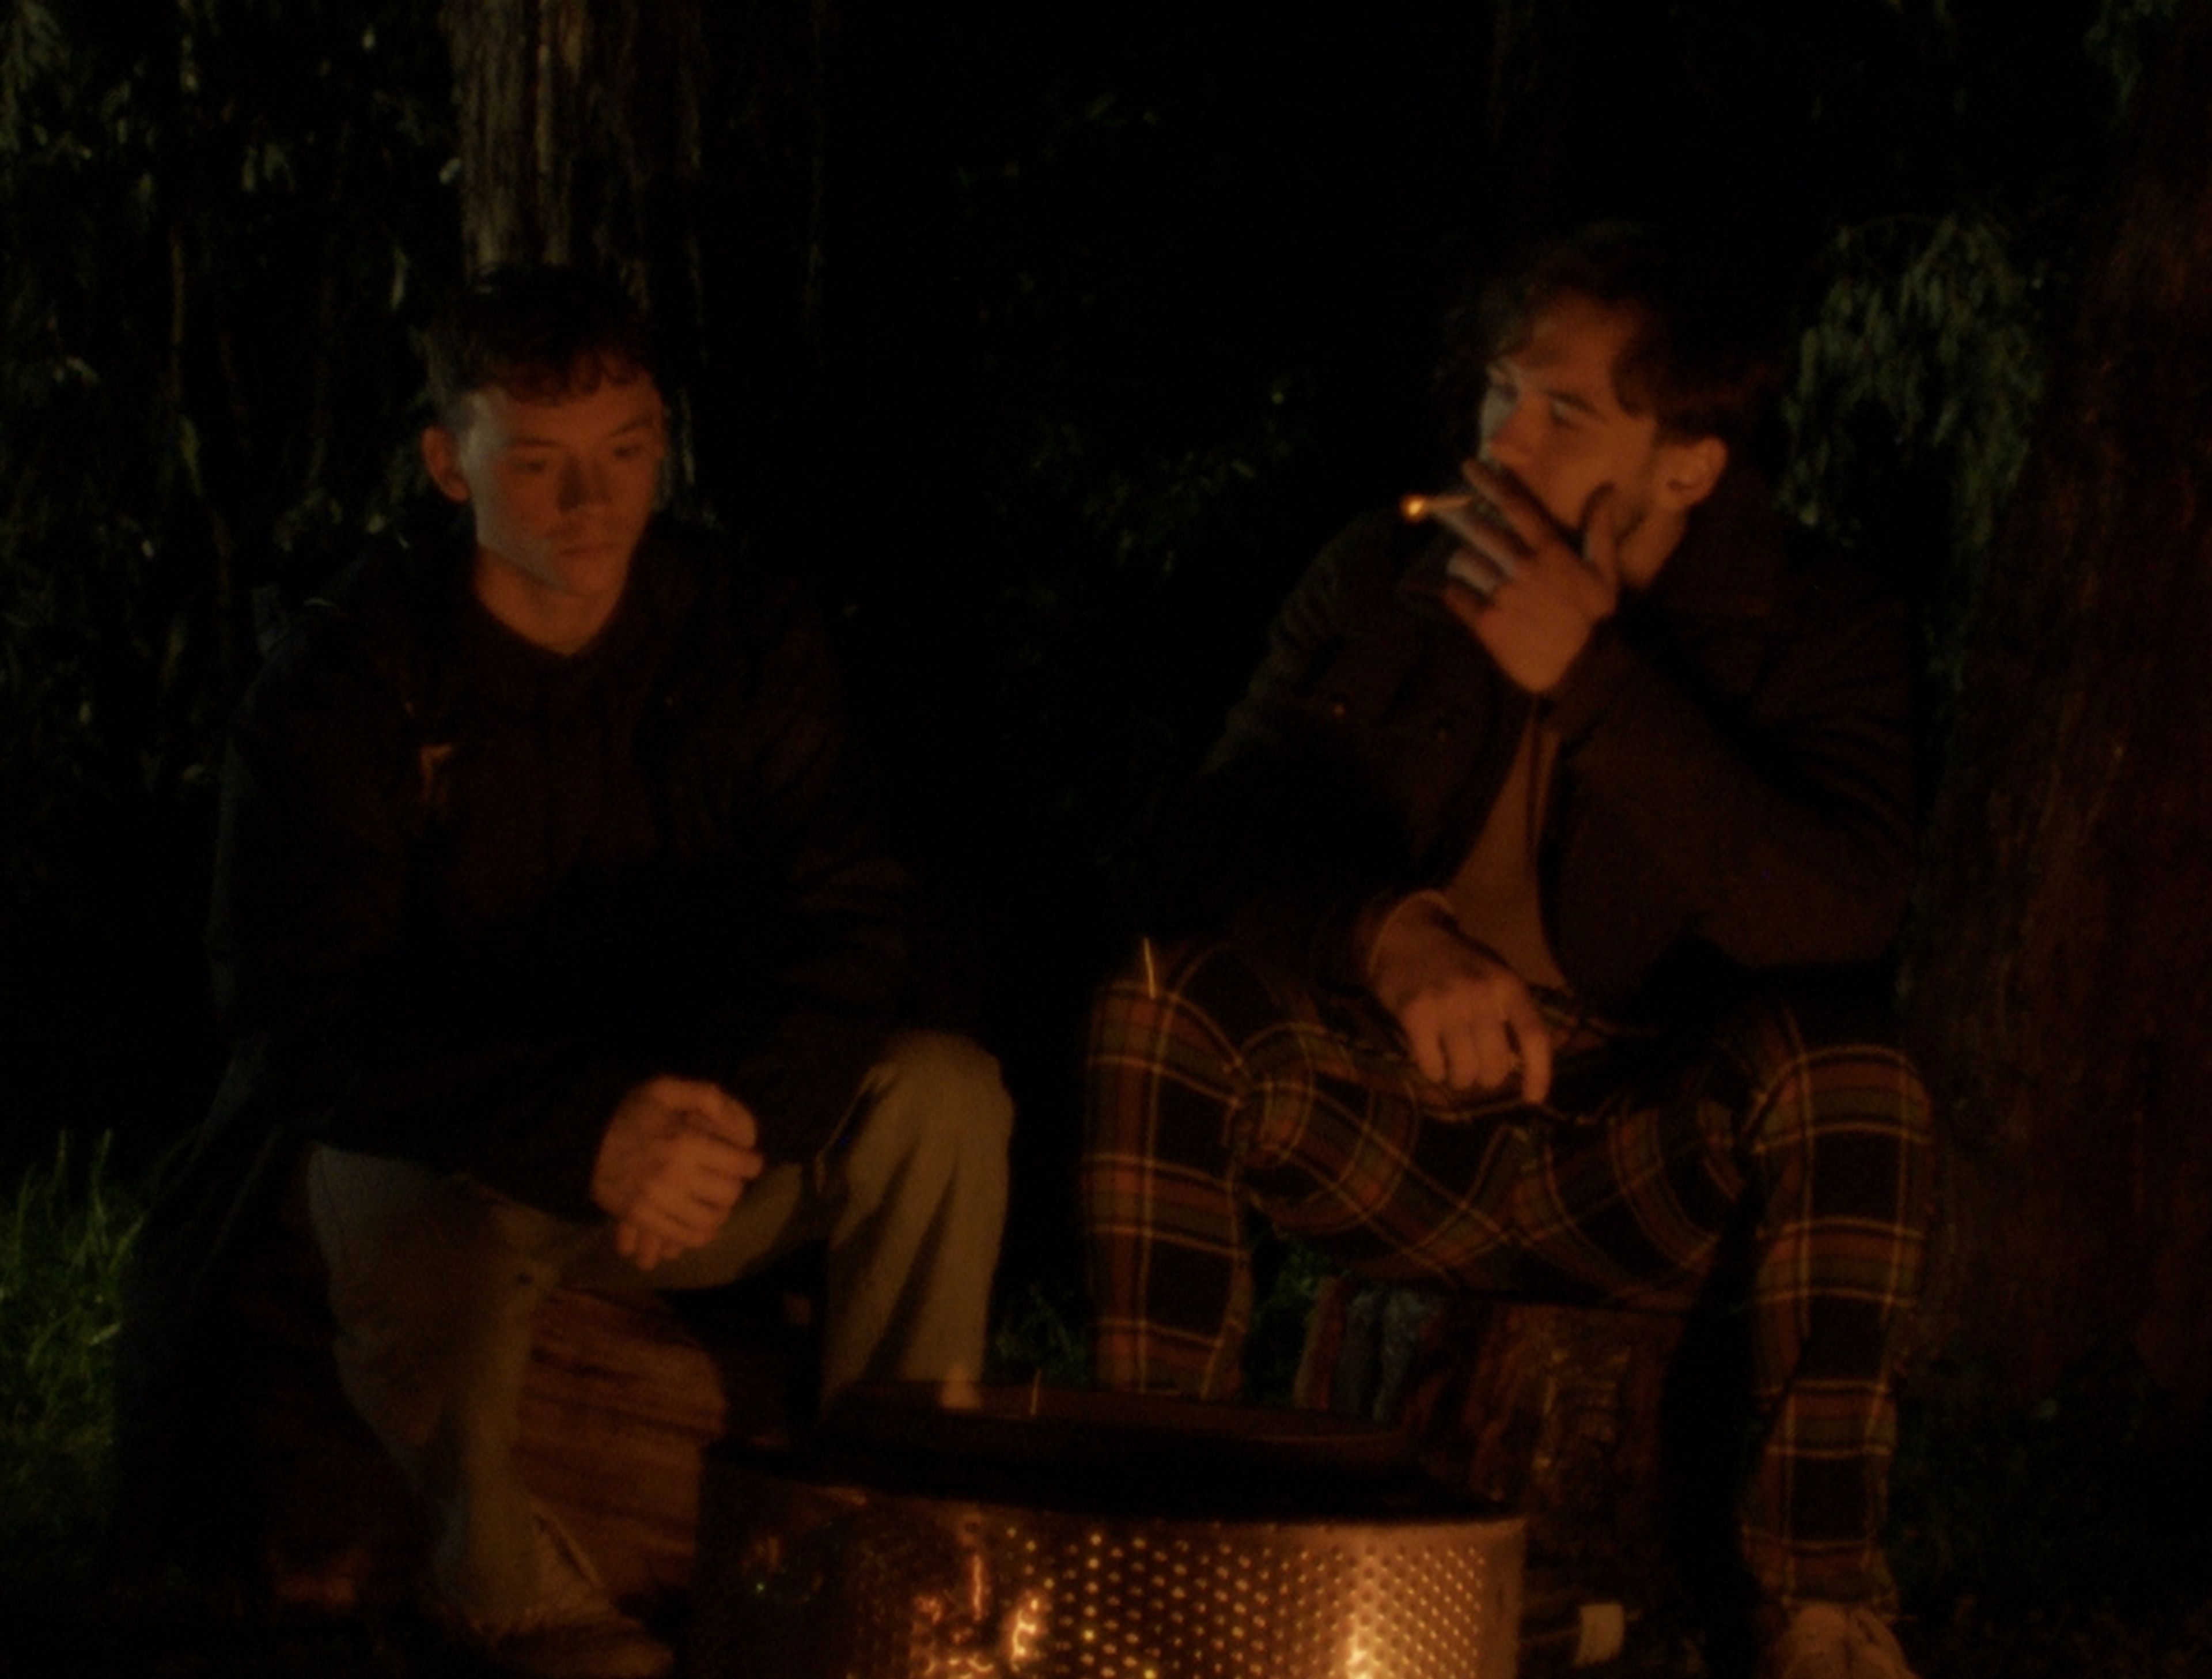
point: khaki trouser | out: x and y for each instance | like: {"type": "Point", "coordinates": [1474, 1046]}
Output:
{"type": "Point", "coordinates": [434, 1280]}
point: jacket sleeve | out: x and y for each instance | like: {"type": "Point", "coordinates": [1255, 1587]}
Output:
{"type": "Point", "coordinates": [805, 1014]}
{"type": "Point", "coordinates": [1774, 826]}
{"type": "Point", "coordinates": [342, 1024]}
{"type": "Point", "coordinates": [1285, 835]}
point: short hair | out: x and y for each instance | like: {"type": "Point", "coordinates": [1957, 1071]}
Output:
{"type": "Point", "coordinates": [1701, 357]}
{"type": "Point", "coordinates": [536, 330]}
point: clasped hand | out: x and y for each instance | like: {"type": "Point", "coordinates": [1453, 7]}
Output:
{"type": "Point", "coordinates": [676, 1155]}
{"type": "Point", "coordinates": [1468, 1019]}
{"type": "Point", "coordinates": [1524, 590]}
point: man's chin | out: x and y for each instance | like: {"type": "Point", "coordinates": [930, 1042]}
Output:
{"type": "Point", "coordinates": [594, 564]}
{"type": "Point", "coordinates": [600, 548]}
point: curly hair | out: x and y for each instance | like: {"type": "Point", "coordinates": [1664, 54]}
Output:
{"type": "Point", "coordinates": [537, 332]}
{"type": "Point", "coordinates": [1701, 357]}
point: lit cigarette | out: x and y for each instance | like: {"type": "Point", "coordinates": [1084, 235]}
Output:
{"type": "Point", "coordinates": [1463, 515]}
{"type": "Point", "coordinates": [1413, 508]}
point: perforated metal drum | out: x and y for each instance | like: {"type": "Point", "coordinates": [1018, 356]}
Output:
{"type": "Point", "coordinates": [1077, 1536]}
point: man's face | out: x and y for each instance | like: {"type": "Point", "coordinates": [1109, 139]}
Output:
{"type": "Point", "coordinates": [1552, 419]}
{"type": "Point", "coordinates": [561, 490]}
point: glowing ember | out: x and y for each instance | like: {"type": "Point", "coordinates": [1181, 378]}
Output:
{"type": "Point", "coordinates": [1413, 508]}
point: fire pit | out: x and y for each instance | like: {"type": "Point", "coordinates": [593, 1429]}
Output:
{"type": "Point", "coordinates": [1055, 1534]}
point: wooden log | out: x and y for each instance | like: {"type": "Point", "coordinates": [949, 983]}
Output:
{"type": "Point", "coordinates": [1558, 1412]}
{"type": "Point", "coordinates": [621, 1399]}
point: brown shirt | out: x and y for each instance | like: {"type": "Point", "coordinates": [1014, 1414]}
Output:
{"type": "Point", "coordinates": [1494, 895]}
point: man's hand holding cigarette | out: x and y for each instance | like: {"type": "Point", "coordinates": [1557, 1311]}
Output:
{"type": "Point", "coordinates": [1519, 585]}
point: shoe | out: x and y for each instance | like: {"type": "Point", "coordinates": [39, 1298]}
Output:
{"type": "Point", "coordinates": [574, 1631]}
{"type": "Point", "coordinates": [1832, 1642]}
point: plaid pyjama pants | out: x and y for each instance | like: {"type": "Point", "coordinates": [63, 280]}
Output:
{"type": "Point", "coordinates": [1215, 1091]}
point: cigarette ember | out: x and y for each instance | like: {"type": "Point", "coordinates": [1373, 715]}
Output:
{"type": "Point", "coordinates": [1412, 508]}
{"type": "Point", "coordinates": [1463, 515]}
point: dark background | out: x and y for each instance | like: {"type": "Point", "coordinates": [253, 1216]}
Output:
{"type": "Point", "coordinates": [1050, 341]}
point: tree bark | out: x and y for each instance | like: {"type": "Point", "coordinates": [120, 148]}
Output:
{"type": "Point", "coordinates": [685, 151]}
{"type": "Point", "coordinates": [577, 120]}
{"type": "Point", "coordinates": [2062, 979]}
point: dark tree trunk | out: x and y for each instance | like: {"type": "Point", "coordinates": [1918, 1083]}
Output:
{"type": "Point", "coordinates": [581, 141]}
{"type": "Point", "coordinates": [683, 148]}
{"type": "Point", "coordinates": [578, 120]}
{"type": "Point", "coordinates": [2062, 995]}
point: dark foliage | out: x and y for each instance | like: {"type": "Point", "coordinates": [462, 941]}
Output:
{"type": "Point", "coordinates": [214, 216]}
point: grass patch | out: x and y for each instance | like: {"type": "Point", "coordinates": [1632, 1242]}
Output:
{"type": "Point", "coordinates": [1041, 1334]}
{"type": "Point", "coordinates": [1042, 1331]}
{"type": "Point", "coordinates": [66, 1235]}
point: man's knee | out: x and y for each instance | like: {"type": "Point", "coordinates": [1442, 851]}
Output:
{"type": "Point", "coordinates": [392, 1225]}
{"type": "Point", "coordinates": [1195, 1019]}
{"type": "Point", "coordinates": [1210, 979]}
{"type": "Point", "coordinates": [1837, 1088]}
{"type": "Point", "coordinates": [403, 1242]}
{"type": "Point", "coordinates": [933, 1098]}
{"type": "Point", "coordinates": [433, 1281]}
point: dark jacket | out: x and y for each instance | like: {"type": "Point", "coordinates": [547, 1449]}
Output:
{"type": "Point", "coordinates": [1733, 789]}
{"type": "Point", "coordinates": [469, 892]}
